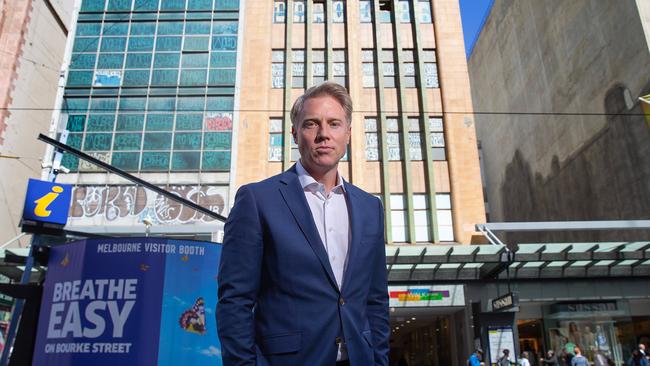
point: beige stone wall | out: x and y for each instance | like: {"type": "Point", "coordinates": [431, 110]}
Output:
{"type": "Point", "coordinates": [464, 170]}
{"type": "Point", "coordinates": [32, 52]}
{"type": "Point", "coordinates": [549, 57]}
{"type": "Point", "coordinates": [258, 102]}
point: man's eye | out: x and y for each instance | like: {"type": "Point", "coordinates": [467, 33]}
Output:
{"type": "Point", "coordinates": [308, 124]}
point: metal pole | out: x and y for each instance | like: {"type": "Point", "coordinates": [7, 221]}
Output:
{"type": "Point", "coordinates": [17, 309]}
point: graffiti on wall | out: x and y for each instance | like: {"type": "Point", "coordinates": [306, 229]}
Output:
{"type": "Point", "coordinates": [124, 205]}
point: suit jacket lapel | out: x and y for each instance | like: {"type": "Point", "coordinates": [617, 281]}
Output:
{"type": "Point", "coordinates": [354, 212]}
{"type": "Point", "coordinates": [294, 196]}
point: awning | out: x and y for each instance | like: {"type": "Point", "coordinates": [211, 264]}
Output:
{"type": "Point", "coordinates": [526, 261]}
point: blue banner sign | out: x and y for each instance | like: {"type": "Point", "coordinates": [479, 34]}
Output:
{"type": "Point", "coordinates": [130, 301]}
{"type": "Point", "coordinates": [47, 202]}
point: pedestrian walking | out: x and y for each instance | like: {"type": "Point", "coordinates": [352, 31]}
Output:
{"type": "Point", "coordinates": [578, 359]}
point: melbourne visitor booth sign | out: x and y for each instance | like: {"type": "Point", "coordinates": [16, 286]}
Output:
{"type": "Point", "coordinates": [130, 301]}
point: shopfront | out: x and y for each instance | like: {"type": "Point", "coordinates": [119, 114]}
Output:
{"type": "Point", "coordinates": [605, 330]}
{"type": "Point", "coordinates": [592, 295]}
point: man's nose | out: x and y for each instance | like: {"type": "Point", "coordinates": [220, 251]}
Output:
{"type": "Point", "coordinates": [323, 132]}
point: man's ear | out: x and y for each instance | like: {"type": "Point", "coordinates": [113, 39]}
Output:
{"type": "Point", "coordinates": [293, 133]}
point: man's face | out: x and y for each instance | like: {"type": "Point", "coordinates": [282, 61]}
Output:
{"type": "Point", "coordinates": [322, 133]}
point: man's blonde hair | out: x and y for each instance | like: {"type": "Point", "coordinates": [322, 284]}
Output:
{"type": "Point", "coordinates": [328, 88]}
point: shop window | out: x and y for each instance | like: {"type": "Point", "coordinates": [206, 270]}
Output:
{"type": "Point", "coordinates": [277, 69]}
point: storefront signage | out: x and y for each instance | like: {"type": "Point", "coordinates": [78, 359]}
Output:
{"type": "Point", "coordinates": [505, 302]}
{"type": "Point", "coordinates": [405, 296]}
{"type": "Point", "coordinates": [580, 307]}
{"type": "Point", "coordinates": [130, 301]}
{"type": "Point", "coordinates": [47, 202]}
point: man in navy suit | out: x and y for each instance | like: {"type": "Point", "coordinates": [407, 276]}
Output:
{"type": "Point", "coordinates": [302, 278]}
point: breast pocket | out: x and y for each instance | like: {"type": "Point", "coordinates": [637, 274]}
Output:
{"type": "Point", "coordinates": [280, 343]}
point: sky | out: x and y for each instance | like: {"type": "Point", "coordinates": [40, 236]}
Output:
{"type": "Point", "coordinates": [473, 14]}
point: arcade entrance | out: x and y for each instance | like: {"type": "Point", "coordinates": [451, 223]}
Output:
{"type": "Point", "coordinates": [426, 337]}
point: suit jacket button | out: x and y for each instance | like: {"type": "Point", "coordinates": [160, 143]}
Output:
{"type": "Point", "coordinates": [338, 340]}
{"type": "Point", "coordinates": [341, 301]}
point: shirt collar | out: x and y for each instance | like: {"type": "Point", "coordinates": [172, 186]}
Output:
{"type": "Point", "coordinates": [307, 181]}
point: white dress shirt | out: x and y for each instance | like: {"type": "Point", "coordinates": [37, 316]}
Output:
{"type": "Point", "coordinates": [330, 213]}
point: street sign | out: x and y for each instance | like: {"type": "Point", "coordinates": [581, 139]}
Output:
{"type": "Point", "coordinates": [505, 302]}
{"type": "Point", "coordinates": [47, 202]}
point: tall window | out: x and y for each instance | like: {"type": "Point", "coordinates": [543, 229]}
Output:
{"type": "Point", "coordinates": [404, 11]}
{"type": "Point", "coordinates": [445, 219]}
{"type": "Point", "coordinates": [279, 11]}
{"type": "Point", "coordinates": [338, 11]}
{"type": "Point", "coordinates": [430, 69]}
{"type": "Point", "coordinates": [398, 218]}
{"type": "Point", "coordinates": [339, 67]}
{"type": "Point", "coordinates": [436, 130]}
{"type": "Point", "coordinates": [298, 69]}
{"type": "Point", "coordinates": [425, 11]}
{"type": "Point", "coordinates": [385, 7]}
{"type": "Point", "coordinates": [318, 66]}
{"type": "Point", "coordinates": [421, 214]}
{"type": "Point", "coordinates": [388, 67]}
{"type": "Point", "coordinates": [277, 69]}
{"type": "Point", "coordinates": [368, 59]}
{"type": "Point", "coordinates": [372, 139]}
{"type": "Point", "coordinates": [393, 143]}
{"type": "Point", "coordinates": [415, 141]}
{"type": "Point", "coordinates": [365, 11]}
{"type": "Point", "coordinates": [319, 11]}
{"type": "Point", "coordinates": [408, 67]}
{"type": "Point", "coordinates": [298, 11]}
{"type": "Point", "coordinates": [275, 139]}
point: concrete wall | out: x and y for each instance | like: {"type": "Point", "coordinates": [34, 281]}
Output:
{"type": "Point", "coordinates": [583, 58]}
{"type": "Point", "coordinates": [33, 43]}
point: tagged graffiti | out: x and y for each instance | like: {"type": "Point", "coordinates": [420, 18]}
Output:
{"type": "Point", "coordinates": [218, 121]}
{"type": "Point", "coordinates": [130, 204]}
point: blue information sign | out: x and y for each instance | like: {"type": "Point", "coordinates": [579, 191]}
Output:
{"type": "Point", "coordinates": [47, 202]}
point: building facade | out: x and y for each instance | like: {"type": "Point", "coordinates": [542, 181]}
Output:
{"type": "Point", "coordinates": [194, 96]}
{"type": "Point", "coordinates": [403, 63]}
{"type": "Point", "coordinates": [151, 89]}
{"type": "Point", "coordinates": [564, 138]}
{"type": "Point", "coordinates": [33, 37]}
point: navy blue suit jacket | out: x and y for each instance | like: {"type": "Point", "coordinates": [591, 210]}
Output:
{"type": "Point", "coordinates": [278, 299]}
